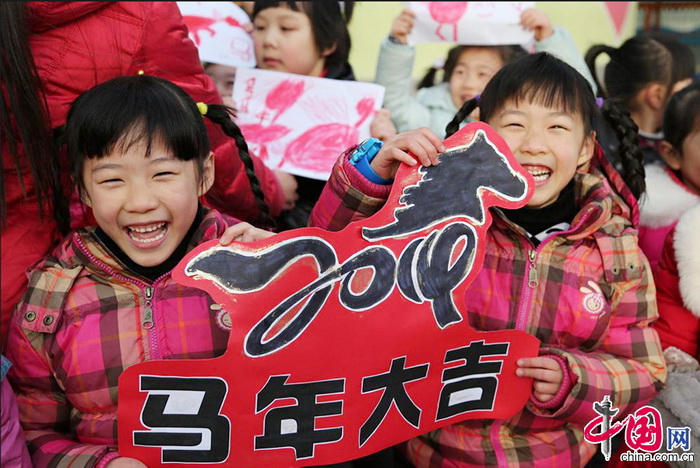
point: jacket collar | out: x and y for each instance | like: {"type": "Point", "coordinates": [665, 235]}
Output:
{"type": "Point", "coordinates": [666, 198]}
{"type": "Point", "coordinates": [688, 259]}
{"type": "Point", "coordinates": [607, 204]}
{"type": "Point", "coordinates": [97, 258]}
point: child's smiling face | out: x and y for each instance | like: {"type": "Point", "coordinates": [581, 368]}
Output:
{"type": "Point", "coordinates": [548, 142]}
{"type": "Point", "coordinates": [284, 41]}
{"type": "Point", "coordinates": [474, 68]}
{"type": "Point", "coordinates": [145, 205]}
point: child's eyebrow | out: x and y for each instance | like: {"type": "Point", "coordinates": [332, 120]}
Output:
{"type": "Point", "coordinates": [551, 114]}
{"type": "Point", "coordinates": [162, 159]}
{"type": "Point", "coordinates": [100, 167]}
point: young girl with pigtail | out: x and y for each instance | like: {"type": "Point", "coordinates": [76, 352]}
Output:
{"type": "Point", "coordinates": [566, 268]}
{"type": "Point", "coordinates": [467, 70]}
{"type": "Point", "coordinates": [104, 299]}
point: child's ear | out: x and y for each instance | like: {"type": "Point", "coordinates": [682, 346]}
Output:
{"type": "Point", "coordinates": [329, 51]}
{"type": "Point", "coordinates": [207, 179]}
{"type": "Point", "coordinates": [670, 155]}
{"type": "Point", "coordinates": [84, 196]}
{"type": "Point", "coordinates": [587, 151]}
{"type": "Point", "coordinates": [655, 95]}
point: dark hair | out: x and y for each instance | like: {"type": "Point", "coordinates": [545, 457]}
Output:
{"type": "Point", "coordinates": [639, 61]}
{"type": "Point", "coordinates": [129, 110]}
{"type": "Point", "coordinates": [24, 118]}
{"type": "Point", "coordinates": [682, 115]}
{"type": "Point", "coordinates": [547, 80]}
{"type": "Point", "coordinates": [508, 53]}
{"type": "Point", "coordinates": [682, 57]}
{"type": "Point", "coordinates": [328, 23]}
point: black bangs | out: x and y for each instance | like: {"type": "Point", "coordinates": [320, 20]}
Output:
{"type": "Point", "coordinates": [134, 110]}
{"type": "Point", "coordinates": [541, 79]}
{"type": "Point", "coordinates": [265, 4]}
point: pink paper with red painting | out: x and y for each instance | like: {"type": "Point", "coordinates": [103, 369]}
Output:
{"type": "Point", "coordinates": [473, 23]}
{"type": "Point", "coordinates": [300, 124]}
{"type": "Point", "coordinates": [342, 343]}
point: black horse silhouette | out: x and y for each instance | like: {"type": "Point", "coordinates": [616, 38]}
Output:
{"type": "Point", "coordinates": [424, 271]}
{"type": "Point", "coordinates": [452, 189]}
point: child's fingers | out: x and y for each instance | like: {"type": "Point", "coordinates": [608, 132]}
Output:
{"type": "Point", "coordinates": [231, 233]}
{"type": "Point", "coordinates": [402, 156]}
{"type": "Point", "coordinates": [421, 151]}
{"type": "Point", "coordinates": [427, 150]}
{"type": "Point", "coordinates": [428, 144]}
{"type": "Point", "coordinates": [433, 139]}
{"type": "Point", "coordinates": [408, 14]}
{"type": "Point", "coordinates": [544, 375]}
{"type": "Point", "coordinates": [540, 361]}
{"type": "Point", "coordinates": [540, 368]}
{"type": "Point", "coordinates": [543, 397]}
{"type": "Point", "coordinates": [545, 388]}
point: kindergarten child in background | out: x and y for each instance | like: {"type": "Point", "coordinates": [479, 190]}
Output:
{"type": "Point", "coordinates": [566, 268]}
{"type": "Point", "coordinates": [674, 203]}
{"type": "Point", "coordinates": [643, 73]}
{"type": "Point", "coordinates": [13, 446]}
{"type": "Point", "coordinates": [673, 184]}
{"type": "Point", "coordinates": [223, 77]}
{"type": "Point", "coordinates": [105, 300]}
{"type": "Point", "coordinates": [467, 70]}
{"type": "Point", "coordinates": [311, 39]}
{"type": "Point", "coordinates": [678, 273]}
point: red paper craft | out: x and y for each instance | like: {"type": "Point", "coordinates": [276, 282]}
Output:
{"type": "Point", "coordinates": [342, 343]}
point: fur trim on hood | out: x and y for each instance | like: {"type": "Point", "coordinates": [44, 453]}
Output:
{"type": "Point", "coordinates": [685, 245]}
{"type": "Point", "coordinates": [666, 198]}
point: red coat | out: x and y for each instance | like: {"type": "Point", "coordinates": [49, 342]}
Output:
{"type": "Point", "coordinates": [677, 279]}
{"type": "Point", "coordinates": [77, 45]}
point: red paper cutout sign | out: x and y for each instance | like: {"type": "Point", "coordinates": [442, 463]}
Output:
{"type": "Point", "coordinates": [342, 343]}
{"type": "Point", "coordinates": [617, 11]}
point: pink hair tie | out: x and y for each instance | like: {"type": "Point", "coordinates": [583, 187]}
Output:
{"type": "Point", "coordinates": [599, 102]}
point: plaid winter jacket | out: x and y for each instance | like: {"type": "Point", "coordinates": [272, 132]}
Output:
{"type": "Point", "coordinates": [586, 293]}
{"type": "Point", "coordinates": [83, 321]}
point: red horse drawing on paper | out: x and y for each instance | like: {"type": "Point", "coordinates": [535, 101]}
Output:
{"type": "Point", "coordinates": [447, 13]}
{"type": "Point", "coordinates": [311, 149]}
{"type": "Point", "coordinates": [197, 24]}
{"type": "Point", "coordinates": [281, 98]}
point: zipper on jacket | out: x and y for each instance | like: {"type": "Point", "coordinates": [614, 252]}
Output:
{"type": "Point", "coordinates": [530, 284]}
{"type": "Point", "coordinates": [147, 319]}
{"type": "Point", "coordinates": [532, 280]}
{"type": "Point", "coordinates": [147, 290]}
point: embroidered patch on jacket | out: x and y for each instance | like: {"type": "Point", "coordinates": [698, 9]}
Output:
{"type": "Point", "coordinates": [593, 301]}
{"type": "Point", "coordinates": [223, 319]}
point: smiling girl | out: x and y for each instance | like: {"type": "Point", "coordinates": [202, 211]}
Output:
{"type": "Point", "coordinates": [105, 300]}
{"type": "Point", "coordinates": [566, 268]}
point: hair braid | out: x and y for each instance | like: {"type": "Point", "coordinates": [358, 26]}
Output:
{"type": "Point", "coordinates": [630, 154]}
{"type": "Point", "coordinates": [466, 109]}
{"type": "Point", "coordinates": [223, 116]}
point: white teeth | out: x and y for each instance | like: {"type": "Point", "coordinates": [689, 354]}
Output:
{"type": "Point", "coordinates": [148, 241]}
{"type": "Point", "coordinates": [540, 174]}
{"type": "Point", "coordinates": [148, 229]}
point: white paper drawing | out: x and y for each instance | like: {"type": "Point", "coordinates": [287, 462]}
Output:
{"type": "Point", "coordinates": [473, 23]}
{"type": "Point", "coordinates": [217, 29]}
{"type": "Point", "coordinates": [301, 124]}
